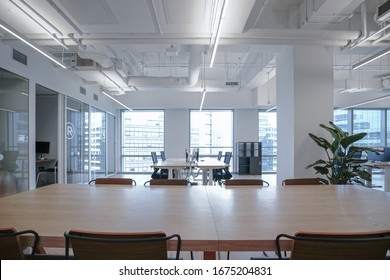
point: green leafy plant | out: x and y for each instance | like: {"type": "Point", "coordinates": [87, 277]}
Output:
{"type": "Point", "coordinates": [340, 166]}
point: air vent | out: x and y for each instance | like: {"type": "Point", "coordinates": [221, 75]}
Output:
{"type": "Point", "coordinates": [18, 56]}
{"type": "Point", "coordinates": [383, 12]}
{"type": "Point", "coordinates": [95, 97]}
{"type": "Point", "coordinates": [232, 84]}
{"type": "Point", "coordinates": [83, 91]}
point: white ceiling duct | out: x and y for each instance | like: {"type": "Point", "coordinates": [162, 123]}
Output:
{"type": "Point", "coordinates": [194, 66]}
{"type": "Point", "coordinates": [100, 57]}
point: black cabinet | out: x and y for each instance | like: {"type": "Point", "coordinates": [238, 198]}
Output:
{"type": "Point", "coordinates": [249, 158]}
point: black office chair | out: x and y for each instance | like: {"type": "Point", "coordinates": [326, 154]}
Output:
{"type": "Point", "coordinates": [49, 170]}
{"type": "Point", "coordinates": [219, 156]}
{"type": "Point", "coordinates": [223, 173]}
{"type": "Point", "coordinates": [162, 153]}
{"type": "Point", "coordinates": [157, 172]}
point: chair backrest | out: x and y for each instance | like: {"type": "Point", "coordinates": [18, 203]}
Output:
{"type": "Point", "coordinates": [228, 156]}
{"type": "Point", "coordinates": [114, 181]}
{"type": "Point", "coordinates": [165, 182]}
{"type": "Point", "coordinates": [162, 153]}
{"type": "Point", "coordinates": [219, 157]}
{"type": "Point", "coordinates": [10, 246]}
{"type": "Point", "coordinates": [246, 182]}
{"type": "Point", "coordinates": [154, 157]}
{"type": "Point", "coordinates": [119, 246]}
{"type": "Point", "coordinates": [337, 246]}
{"type": "Point", "coordinates": [301, 181]}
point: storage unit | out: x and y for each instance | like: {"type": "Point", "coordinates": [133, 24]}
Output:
{"type": "Point", "coordinates": [249, 158]}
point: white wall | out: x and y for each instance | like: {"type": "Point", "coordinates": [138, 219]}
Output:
{"type": "Point", "coordinates": [42, 71]}
{"type": "Point", "coordinates": [246, 125]}
{"type": "Point", "coordinates": [174, 99]}
{"type": "Point", "coordinates": [177, 132]}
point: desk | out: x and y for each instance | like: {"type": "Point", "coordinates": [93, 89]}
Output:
{"type": "Point", "coordinates": [206, 165]}
{"type": "Point", "coordinates": [386, 167]}
{"type": "Point", "coordinates": [208, 219]}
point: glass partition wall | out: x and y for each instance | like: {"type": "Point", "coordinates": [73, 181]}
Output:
{"type": "Point", "coordinates": [14, 124]}
{"type": "Point", "coordinates": [98, 143]}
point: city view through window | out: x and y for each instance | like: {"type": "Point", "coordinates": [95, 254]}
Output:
{"type": "Point", "coordinates": [212, 131]}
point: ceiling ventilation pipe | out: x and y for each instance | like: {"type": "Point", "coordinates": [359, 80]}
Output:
{"type": "Point", "coordinates": [100, 57]}
{"type": "Point", "coordinates": [194, 67]}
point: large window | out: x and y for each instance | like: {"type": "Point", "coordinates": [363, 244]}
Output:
{"type": "Point", "coordinates": [142, 133]}
{"type": "Point", "coordinates": [268, 139]}
{"type": "Point", "coordinates": [211, 131]}
{"type": "Point", "coordinates": [371, 121]}
{"type": "Point", "coordinates": [98, 143]}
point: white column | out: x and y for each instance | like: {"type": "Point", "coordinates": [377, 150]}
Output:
{"type": "Point", "coordinates": [304, 93]}
{"type": "Point", "coordinates": [177, 136]}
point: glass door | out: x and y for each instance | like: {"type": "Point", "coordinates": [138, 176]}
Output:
{"type": "Point", "coordinates": [77, 139]}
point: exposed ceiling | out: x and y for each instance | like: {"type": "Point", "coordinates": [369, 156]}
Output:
{"type": "Point", "coordinates": [146, 45]}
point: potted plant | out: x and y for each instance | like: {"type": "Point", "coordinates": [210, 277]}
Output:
{"type": "Point", "coordinates": [341, 165]}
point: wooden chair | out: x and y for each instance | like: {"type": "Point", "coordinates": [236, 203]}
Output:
{"type": "Point", "coordinates": [113, 181]}
{"type": "Point", "coordinates": [167, 182]}
{"type": "Point", "coordinates": [10, 245]}
{"type": "Point", "coordinates": [246, 182]}
{"type": "Point", "coordinates": [242, 183]}
{"type": "Point", "coordinates": [119, 246]}
{"type": "Point", "coordinates": [337, 246]}
{"type": "Point", "coordinates": [301, 181]}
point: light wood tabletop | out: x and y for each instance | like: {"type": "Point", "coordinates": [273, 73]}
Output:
{"type": "Point", "coordinates": [54, 209]}
{"type": "Point", "coordinates": [208, 218]}
{"type": "Point", "coordinates": [249, 219]}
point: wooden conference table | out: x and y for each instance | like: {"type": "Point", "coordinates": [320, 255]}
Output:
{"type": "Point", "coordinates": [208, 218]}
{"type": "Point", "coordinates": [207, 166]}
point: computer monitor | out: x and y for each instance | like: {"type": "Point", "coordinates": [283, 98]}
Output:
{"type": "Point", "coordinates": [42, 147]}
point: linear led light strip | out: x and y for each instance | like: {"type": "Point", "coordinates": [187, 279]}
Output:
{"type": "Point", "coordinates": [221, 20]}
{"type": "Point", "coordinates": [365, 102]}
{"type": "Point", "coordinates": [53, 36]}
{"type": "Point", "coordinates": [203, 97]}
{"type": "Point", "coordinates": [371, 58]}
{"type": "Point", "coordinates": [6, 28]}
{"type": "Point", "coordinates": [271, 109]}
{"type": "Point", "coordinates": [120, 103]}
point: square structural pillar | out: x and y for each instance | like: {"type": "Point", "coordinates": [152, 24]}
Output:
{"type": "Point", "coordinates": [304, 94]}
